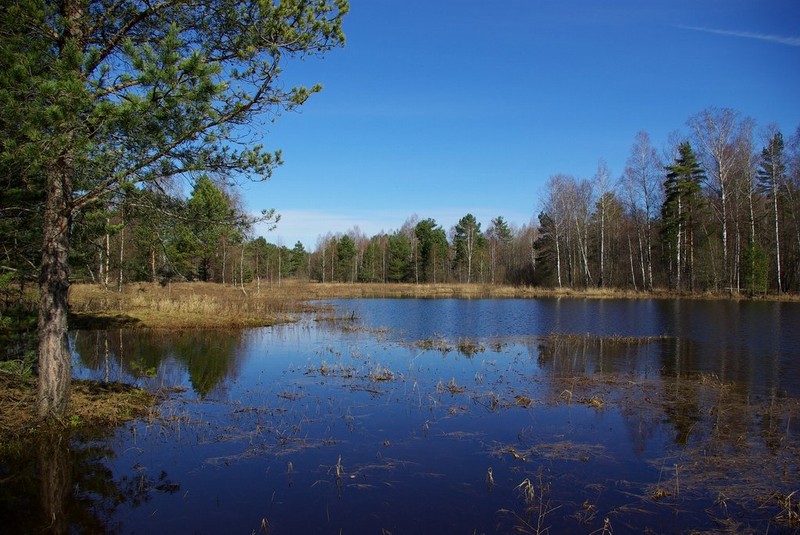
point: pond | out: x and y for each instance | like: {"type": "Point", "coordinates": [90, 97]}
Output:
{"type": "Point", "coordinates": [445, 416]}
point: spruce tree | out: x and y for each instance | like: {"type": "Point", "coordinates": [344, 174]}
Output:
{"type": "Point", "coordinates": [681, 202]}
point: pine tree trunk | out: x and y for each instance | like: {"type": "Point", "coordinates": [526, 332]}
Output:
{"type": "Point", "coordinates": [55, 483]}
{"type": "Point", "coordinates": [55, 365]}
{"type": "Point", "coordinates": [120, 279]}
{"type": "Point", "coordinates": [107, 256]}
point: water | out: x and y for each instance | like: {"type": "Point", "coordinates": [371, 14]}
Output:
{"type": "Point", "coordinates": [756, 344]}
{"type": "Point", "coordinates": [356, 427]}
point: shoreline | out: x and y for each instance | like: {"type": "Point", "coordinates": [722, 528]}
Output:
{"type": "Point", "coordinates": [188, 305]}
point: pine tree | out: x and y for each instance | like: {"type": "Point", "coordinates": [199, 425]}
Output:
{"type": "Point", "coordinates": [681, 202]}
{"type": "Point", "coordinates": [96, 95]}
{"type": "Point", "coordinates": [432, 249]}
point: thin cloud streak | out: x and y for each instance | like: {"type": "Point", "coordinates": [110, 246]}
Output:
{"type": "Point", "coordinates": [791, 41]}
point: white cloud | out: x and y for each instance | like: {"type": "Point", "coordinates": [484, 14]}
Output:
{"type": "Point", "coordinates": [791, 41]}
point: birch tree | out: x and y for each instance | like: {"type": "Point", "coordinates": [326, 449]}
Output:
{"type": "Point", "coordinates": [642, 180]}
{"type": "Point", "coordinates": [715, 133]}
{"type": "Point", "coordinates": [771, 179]}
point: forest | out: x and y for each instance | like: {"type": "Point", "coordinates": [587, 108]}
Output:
{"type": "Point", "coordinates": [717, 209]}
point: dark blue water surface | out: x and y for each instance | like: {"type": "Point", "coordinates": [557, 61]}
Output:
{"type": "Point", "coordinates": [641, 416]}
{"type": "Point", "coordinates": [750, 342]}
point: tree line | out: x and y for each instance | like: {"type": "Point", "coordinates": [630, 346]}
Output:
{"type": "Point", "coordinates": [716, 209]}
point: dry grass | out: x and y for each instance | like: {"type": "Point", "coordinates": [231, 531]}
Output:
{"type": "Point", "coordinates": [184, 305]}
{"type": "Point", "coordinates": [210, 305]}
{"type": "Point", "coordinates": [92, 404]}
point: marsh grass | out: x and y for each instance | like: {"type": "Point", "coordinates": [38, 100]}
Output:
{"type": "Point", "coordinates": [469, 347]}
{"type": "Point", "coordinates": [183, 305]}
{"type": "Point", "coordinates": [434, 343]}
{"type": "Point", "coordinates": [210, 305]}
{"type": "Point", "coordinates": [536, 497]}
{"type": "Point", "coordinates": [93, 404]}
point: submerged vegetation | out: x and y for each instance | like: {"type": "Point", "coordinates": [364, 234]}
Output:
{"type": "Point", "coordinates": [545, 421]}
{"type": "Point", "coordinates": [210, 305]}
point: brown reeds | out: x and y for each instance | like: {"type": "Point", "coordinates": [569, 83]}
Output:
{"type": "Point", "coordinates": [182, 305]}
{"type": "Point", "coordinates": [92, 404]}
{"type": "Point", "coordinates": [210, 305]}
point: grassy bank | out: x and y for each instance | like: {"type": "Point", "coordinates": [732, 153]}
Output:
{"type": "Point", "coordinates": [93, 405]}
{"type": "Point", "coordinates": [210, 305]}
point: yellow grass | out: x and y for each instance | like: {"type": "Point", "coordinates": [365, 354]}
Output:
{"type": "Point", "coordinates": [210, 305]}
{"type": "Point", "coordinates": [183, 305]}
{"type": "Point", "coordinates": [92, 404]}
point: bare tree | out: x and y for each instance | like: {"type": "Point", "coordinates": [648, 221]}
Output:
{"type": "Point", "coordinates": [579, 197]}
{"type": "Point", "coordinates": [602, 186]}
{"type": "Point", "coordinates": [715, 132]}
{"type": "Point", "coordinates": [771, 178]}
{"type": "Point", "coordinates": [642, 181]}
{"type": "Point", "coordinates": [555, 206]}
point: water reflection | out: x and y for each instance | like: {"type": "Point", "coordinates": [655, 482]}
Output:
{"type": "Point", "coordinates": [328, 428]}
{"type": "Point", "coordinates": [65, 485]}
{"type": "Point", "coordinates": [747, 342]}
{"type": "Point", "coordinates": [209, 359]}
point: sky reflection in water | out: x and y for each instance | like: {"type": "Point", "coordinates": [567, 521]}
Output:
{"type": "Point", "coordinates": [317, 428]}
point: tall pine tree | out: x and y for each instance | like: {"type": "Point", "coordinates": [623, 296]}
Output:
{"type": "Point", "coordinates": [97, 94]}
{"type": "Point", "coordinates": [681, 202]}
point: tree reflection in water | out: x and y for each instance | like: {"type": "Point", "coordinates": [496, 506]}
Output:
{"type": "Point", "coordinates": [640, 430]}
{"type": "Point", "coordinates": [139, 354]}
{"type": "Point", "coordinates": [64, 485]}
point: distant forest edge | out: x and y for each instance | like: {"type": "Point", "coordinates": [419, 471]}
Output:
{"type": "Point", "coordinates": [717, 209]}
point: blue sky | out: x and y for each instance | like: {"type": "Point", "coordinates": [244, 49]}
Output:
{"type": "Point", "coordinates": [442, 108]}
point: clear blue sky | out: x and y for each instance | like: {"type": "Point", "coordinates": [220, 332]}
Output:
{"type": "Point", "coordinates": [442, 108]}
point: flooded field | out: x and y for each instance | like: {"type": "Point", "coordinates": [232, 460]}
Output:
{"type": "Point", "coordinates": [446, 416]}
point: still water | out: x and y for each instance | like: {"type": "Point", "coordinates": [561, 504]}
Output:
{"type": "Point", "coordinates": [449, 416]}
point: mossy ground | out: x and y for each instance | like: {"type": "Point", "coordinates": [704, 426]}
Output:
{"type": "Point", "coordinates": [93, 405]}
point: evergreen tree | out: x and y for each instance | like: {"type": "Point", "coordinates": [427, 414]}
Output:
{"type": "Point", "coordinates": [432, 249]}
{"type": "Point", "coordinates": [101, 94]}
{"type": "Point", "coordinates": [347, 256]}
{"type": "Point", "coordinates": [755, 270]}
{"type": "Point", "coordinates": [499, 236]}
{"type": "Point", "coordinates": [399, 269]}
{"type": "Point", "coordinates": [298, 258]}
{"type": "Point", "coordinates": [681, 201]}
{"type": "Point", "coordinates": [210, 217]}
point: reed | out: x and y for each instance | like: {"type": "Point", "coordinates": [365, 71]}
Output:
{"type": "Point", "coordinates": [182, 305]}
{"type": "Point", "coordinates": [210, 305]}
{"type": "Point", "coordinates": [93, 404]}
